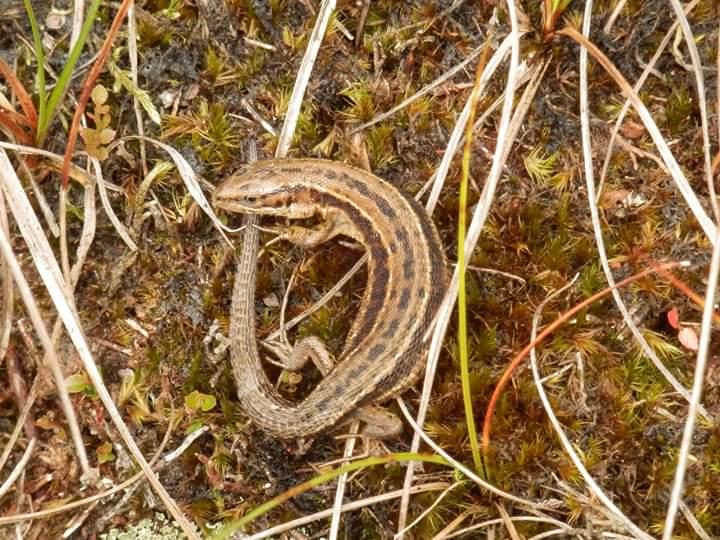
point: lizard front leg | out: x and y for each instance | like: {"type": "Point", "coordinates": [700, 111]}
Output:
{"type": "Point", "coordinates": [333, 223]}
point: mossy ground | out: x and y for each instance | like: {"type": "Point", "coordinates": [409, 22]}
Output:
{"type": "Point", "coordinates": [157, 308]}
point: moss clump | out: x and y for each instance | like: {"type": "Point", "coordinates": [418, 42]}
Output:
{"type": "Point", "coordinates": [156, 528]}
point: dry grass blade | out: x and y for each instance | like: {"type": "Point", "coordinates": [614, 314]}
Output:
{"type": "Point", "coordinates": [347, 507]}
{"type": "Point", "coordinates": [459, 466]}
{"type": "Point", "coordinates": [638, 85]}
{"type": "Point", "coordinates": [58, 290]}
{"type": "Point", "coordinates": [116, 223]}
{"type": "Point", "coordinates": [427, 510]}
{"type": "Point", "coordinates": [547, 331]}
{"type": "Point", "coordinates": [8, 290]}
{"type": "Point", "coordinates": [303, 76]}
{"type": "Point", "coordinates": [18, 518]}
{"type": "Point", "coordinates": [23, 215]}
{"type": "Point", "coordinates": [18, 469]}
{"type": "Point", "coordinates": [595, 219]}
{"type": "Point", "coordinates": [505, 137]}
{"type": "Point", "coordinates": [701, 101]}
{"type": "Point", "coordinates": [678, 176]}
{"type": "Point", "coordinates": [454, 524]}
{"type": "Point", "coordinates": [425, 90]}
{"type": "Point", "coordinates": [21, 421]}
{"type": "Point", "coordinates": [698, 380]}
{"type": "Point", "coordinates": [459, 129]}
{"type": "Point", "coordinates": [566, 529]}
{"type": "Point", "coordinates": [188, 177]}
{"type": "Point", "coordinates": [133, 57]}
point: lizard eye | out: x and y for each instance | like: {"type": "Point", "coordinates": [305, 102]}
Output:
{"type": "Point", "coordinates": [250, 199]}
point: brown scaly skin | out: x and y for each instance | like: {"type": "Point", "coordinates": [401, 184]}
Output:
{"type": "Point", "coordinates": [407, 278]}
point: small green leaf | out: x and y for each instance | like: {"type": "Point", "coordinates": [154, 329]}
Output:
{"type": "Point", "coordinates": [197, 401]}
{"type": "Point", "coordinates": [99, 95]}
{"type": "Point", "coordinates": [194, 426]}
{"type": "Point", "coordinates": [78, 383]}
{"type": "Point", "coordinates": [105, 453]}
{"type": "Point", "coordinates": [107, 135]}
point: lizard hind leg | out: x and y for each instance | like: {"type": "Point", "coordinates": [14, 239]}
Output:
{"type": "Point", "coordinates": [379, 425]}
{"type": "Point", "coordinates": [309, 348]}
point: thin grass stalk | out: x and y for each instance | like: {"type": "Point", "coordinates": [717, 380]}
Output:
{"type": "Point", "coordinates": [347, 507]}
{"type": "Point", "coordinates": [53, 363]}
{"type": "Point", "coordinates": [63, 81]}
{"type": "Point", "coordinates": [701, 102]}
{"type": "Point", "coordinates": [19, 468]}
{"type": "Point", "coordinates": [301, 80]}
{"type": "Point", "coordinates": [678, 176]}
{"type": "Point", "coordinates": [504, 139]}
{"type": "Point", "coordinates": [462, 468]}
{"type": "Point", "coordinates": [462, 269]}
{"type": "Point", "coordinates": [698, 380]}
{"type": "Point", "coordinates": [595, 218]}
{"type": "Point", "coordinates": [49, 271]}
{"type": "Point", "coordinates": [40, 58]}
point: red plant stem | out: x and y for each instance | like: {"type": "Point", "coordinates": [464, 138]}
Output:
{"type": "Point", "coordinates": [502, 383]}
{"type": "Point", "coordinates": [88, 87]}
{"type": "Point", "coordinates": [20, 93]}
{"type": "Point", "coordinates": [684, 288]}
{"type": "Point", "coordinates": [8, 120]}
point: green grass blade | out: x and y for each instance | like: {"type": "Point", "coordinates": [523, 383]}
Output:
{"type": "Point", "coordinates": [64, 80]}
{"type": "Point", "coordinates": [40, 57]}
{"type": "Point", "coordinates": [461, 305]}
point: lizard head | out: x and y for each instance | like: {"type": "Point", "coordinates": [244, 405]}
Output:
{"type": "Point", "coordinates": [262, 189]}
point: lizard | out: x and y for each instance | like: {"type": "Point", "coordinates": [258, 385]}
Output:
{"type": "Point", "coordinates": [407, 278]}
